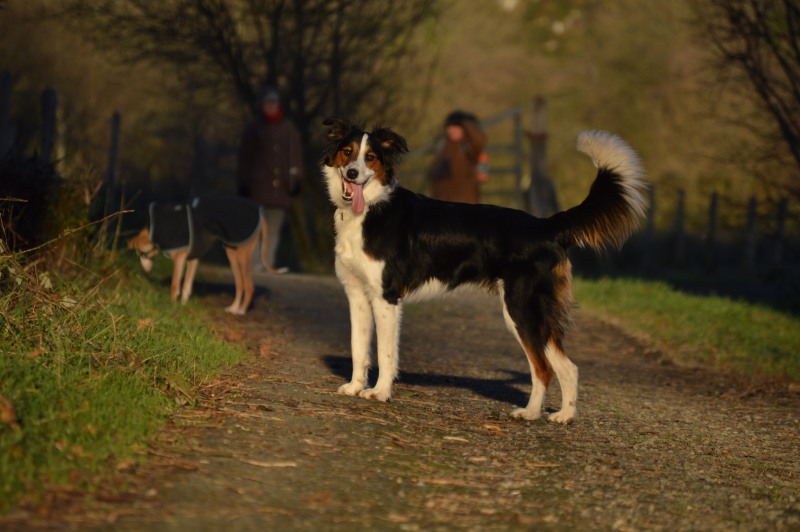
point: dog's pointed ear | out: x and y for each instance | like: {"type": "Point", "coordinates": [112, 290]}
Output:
{"type": "Point", "coordinates": [337, 129]}
{"type": "Point", "coordinates": [390, 140]}
{"type": "Point", "coordinates": [392, 143]}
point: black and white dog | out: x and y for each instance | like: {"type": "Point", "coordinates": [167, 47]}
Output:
{"type": "Point", "coordinates": [394, 246]}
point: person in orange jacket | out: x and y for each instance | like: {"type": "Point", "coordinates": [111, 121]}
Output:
{"type": "Point", "coordinates": [461, 164]}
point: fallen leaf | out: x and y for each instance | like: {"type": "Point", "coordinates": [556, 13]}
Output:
{"type": "Point", "coordinates": [320, 498]}
{"type": "Point", "coordinates": [397, 518]}
{"type": "Point", "coordinates": [264, 348]}
{"type": "Point", "coordinates": [446, 482]}
{"type": "Point", "coordinates": [540, 464]}
{"type": "Point", "coordinates": [7, 414]}
{"type": "Point", "coordinates": [232, 335]}
{"type": "Point", "coordinates": [268, 464]}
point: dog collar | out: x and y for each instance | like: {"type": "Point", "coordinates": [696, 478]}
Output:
{"type": "Point", "coordinates": [149, 254]}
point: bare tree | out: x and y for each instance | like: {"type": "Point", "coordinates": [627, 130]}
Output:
{"type": "Point", "coordinates": [760, 41]}
{"type": "Point", "coordinates": [326, 56]}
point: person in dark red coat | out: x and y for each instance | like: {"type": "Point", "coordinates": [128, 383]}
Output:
{"type": "Point", "coordinates": [455, 174]}
{"type": "Point", "coordinates": [270, 164]}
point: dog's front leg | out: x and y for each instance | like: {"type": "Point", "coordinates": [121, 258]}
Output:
{"type": "Point", "coordinates": [387, 321]}
{"type": "Point", "coordinates": [360, 338]}
{"type": "Point", "coordinates": [178, 262]}
{"type": "Point", "coordinates": [188, 280]}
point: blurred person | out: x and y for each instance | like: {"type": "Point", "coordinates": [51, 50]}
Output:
{"type": "Point", "coordinates": [270, 165]}
{"type": "Point", "coordinates": [461, 164]}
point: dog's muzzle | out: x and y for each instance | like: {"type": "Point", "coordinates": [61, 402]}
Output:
{"type": "Point", "coordinates": [352, 192]}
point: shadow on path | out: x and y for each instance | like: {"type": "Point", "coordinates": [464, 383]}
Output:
{"type": "Point", "coordinates": [503, 390]}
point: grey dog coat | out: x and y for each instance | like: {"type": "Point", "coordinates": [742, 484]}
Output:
{"type": "Point", "coordinates": [196, 225]}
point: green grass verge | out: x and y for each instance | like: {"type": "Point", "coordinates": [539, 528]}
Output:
{"type": "Point", "coordinates": [744, 337]}
{"type": "Point", "coordinates": [89, 368]}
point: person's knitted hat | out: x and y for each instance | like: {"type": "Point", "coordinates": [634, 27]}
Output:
{"type": "Point", "coordinates": [269, 94]}
{"type": "Point", "coordinates": [459, 117]}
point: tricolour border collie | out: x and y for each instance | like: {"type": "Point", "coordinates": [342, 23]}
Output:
{"type": "Point", "coordinates": [394, 246]}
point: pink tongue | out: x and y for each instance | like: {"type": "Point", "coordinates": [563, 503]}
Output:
{"type": "Point", "coordinates": [358, 198]}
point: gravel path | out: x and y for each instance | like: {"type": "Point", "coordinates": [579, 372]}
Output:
{"type": "Point", "coordinates": [272, 447]}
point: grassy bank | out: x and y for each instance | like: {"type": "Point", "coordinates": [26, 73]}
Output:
{"type": "Point", "coordinates": [90, 365]}
{"type": "Point", "coordinates": [747, 338]}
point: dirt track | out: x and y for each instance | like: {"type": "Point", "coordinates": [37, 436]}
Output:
{"type": "Point", "coordinates": [273, 447]}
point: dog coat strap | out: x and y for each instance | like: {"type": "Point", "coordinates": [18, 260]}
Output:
{"type": "Point", "coordinates": [169, 228]}
{"type": "Point", "coordinates": [232, 220]}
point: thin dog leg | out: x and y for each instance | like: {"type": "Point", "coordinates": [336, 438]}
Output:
{"type": "Point", "coordinates": [387, 321]}
{"type": "Point", "coordinates": [360, 335]}
{"type": "Point", "coordinates": [567, 375]}
{"type": "Point", "coordinates": [188, 280]}
{"type": "Point", "coordinates": [243, 257]}
{"type": "Point", "coordinates": [237, 280]}
{"type": "Point", "coordinates": [538, 388]}
{"type": "Point", "coordinates": [178, 261]}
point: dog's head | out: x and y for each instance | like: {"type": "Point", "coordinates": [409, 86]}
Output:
{"type": "Point", "coordinates": [144, 248]}
{"type": "Point", "coordinates": [360, 165]}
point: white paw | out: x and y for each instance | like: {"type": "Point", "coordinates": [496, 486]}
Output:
{"type": "Point", "coordinates": [563, 417]}
{"type": "Point", "coordinates": [376, 394]}
{"type": "Point", "coordinates": [351, 388]}
{"type": "Point", "coordinates": [230, 309]}
{"type": "Point", "coordinates": [526, 413]}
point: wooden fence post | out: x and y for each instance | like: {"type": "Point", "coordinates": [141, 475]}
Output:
{"type": "Point", "coordinates": [711, 235]}
{"type": "Point", "coordinates": [680, 232]}
{"type": "Point", "coordinates": [6, 131]}
{"type": "Point", "coordinates": [538, 146]}
{"type": "Point", "coordinates": [650, 231]}
{"type": "Point", "coordinates": [751, 236]}
{"type": "Point", "coordinates": [542, 198]}
{"type": "Point", "coordinates": [780, 223]}
{"type": "Point", "coordinates": [521, 203]}
{"type": "Point", "coordinates": [111, 171]}
{"type": "Point", "coordinates": [48, 138]}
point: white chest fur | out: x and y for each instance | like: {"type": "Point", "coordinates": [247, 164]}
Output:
{"type": "Point", "coordinates": [352, 263]}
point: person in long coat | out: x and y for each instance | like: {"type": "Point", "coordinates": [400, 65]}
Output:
{"type": "Point", "coordinates": [270, 164]}
{"type": "Point", "coordinates": [455, 174]}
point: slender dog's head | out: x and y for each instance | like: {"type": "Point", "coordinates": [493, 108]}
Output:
{"type": "Point", "coordinates": [359, 166]}
{"type": "Point", "coordinates": [145, 248]}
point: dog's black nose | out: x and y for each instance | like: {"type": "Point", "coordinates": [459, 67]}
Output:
{"type": "Point", "coordinates": [352, 173]}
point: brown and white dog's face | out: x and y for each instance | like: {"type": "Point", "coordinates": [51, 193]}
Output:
{"type": "Point", "coordinates": [360, 165]}
{"type": "Point", "coordinates": [144, 248]}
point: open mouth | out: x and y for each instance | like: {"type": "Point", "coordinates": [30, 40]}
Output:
{"type": "Point", "coordinates": [353, 193]}
{"type": "Point", "coordinates": [347, 190]}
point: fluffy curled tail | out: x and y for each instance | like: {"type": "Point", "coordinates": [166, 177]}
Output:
{"type": "Point", "coordinates": [615, 204]}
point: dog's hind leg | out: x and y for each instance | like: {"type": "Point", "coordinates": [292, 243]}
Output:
{"type": "Point", "coordinates": [387, 323]}
{"type": "Point", "coordinates": [237, 281]}
{"type": "Point", "coordinates": [567, 374]}
{"type": "Point", "coordinates": [188, 280]}
{"type": "Point", "coordinates": [360, 332]}
{"type": "Point", "coordinates": [541, 372]}
{"type": "Point", "coordinates": [243, 256]}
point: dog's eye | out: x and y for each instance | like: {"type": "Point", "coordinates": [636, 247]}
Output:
{"type": "Point", "coordinates": [370, 157]}
{"type": "Point", "coordinates": [347, 152]}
